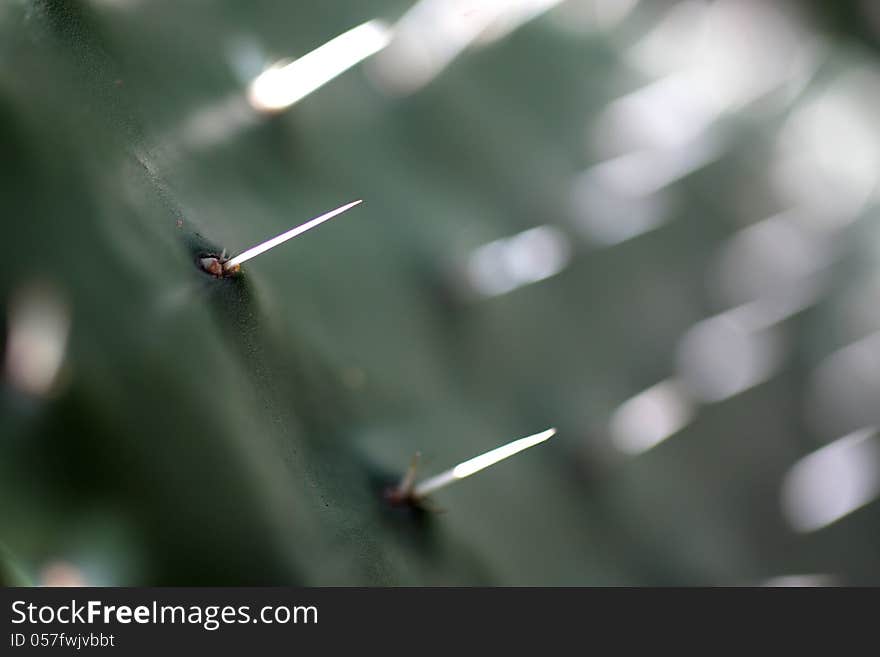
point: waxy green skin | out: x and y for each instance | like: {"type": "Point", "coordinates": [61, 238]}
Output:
{"type": "Point", "coordinates": [242, 429]}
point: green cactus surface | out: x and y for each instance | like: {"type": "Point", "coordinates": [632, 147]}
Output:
{"type": "Point", "coordinates": [241, 430]}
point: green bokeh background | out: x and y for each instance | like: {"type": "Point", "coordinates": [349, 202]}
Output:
{"type": "Point", "coordinates": [238, 431]}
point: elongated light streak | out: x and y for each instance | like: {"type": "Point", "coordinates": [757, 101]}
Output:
{"type": "Point", "coordinates": [478, 463]}
{"type": "Point", "coordinates": [280, 86]}
{"type": "Point", "coordinates": [254, 251]}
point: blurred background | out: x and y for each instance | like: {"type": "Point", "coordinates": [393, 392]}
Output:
{"type": "Point", "coordinates": [652, 225]}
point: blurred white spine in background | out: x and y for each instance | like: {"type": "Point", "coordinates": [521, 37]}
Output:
{"type": "Point", "coordinates": [793, 581]}
{"type": "Point", "coordinates": [282, 85]}
{"type": "Point", "coordinates": [832, 482]}
{"type": "Point", "coordinates": [704, 60]}
{"type": "Point", "coordinates": [592, 15]}
{"type": "Point", "coordinates": [510, 15]}
{"type": "Point", "coordinates": [626, 196]}
{"type": "Point", "coordinates": [39, 322]}
{"type": "Point", "coordinates": [434, 32]}
{"type": "Point", "coordinates": [827, 155]}
{"type": "Point", "coordinates": [528, 257]}
{"type": "Point", "coordinates": [275, 89]}
{"type": "Point", "coordinates": [651, 417]}
{"type": "Point", "coordinates": [780, 259]}
{"type": "Point", "coordinates": [845, 387]}
{"type": "Point", "coordinates": [724, 355]}
{"type": "Point", "coordinates": [729, 52]}
{"type": "Point", "coordinates": [664, 114]}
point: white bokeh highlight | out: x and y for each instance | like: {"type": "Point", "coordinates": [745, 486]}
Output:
{"type": "Point", "coordinates": [832, 482]}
